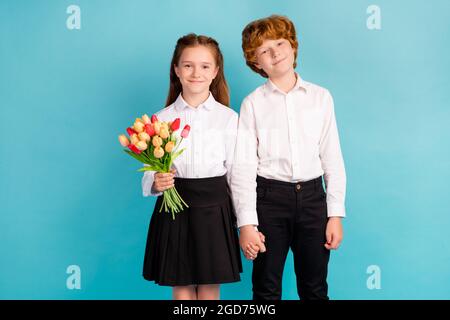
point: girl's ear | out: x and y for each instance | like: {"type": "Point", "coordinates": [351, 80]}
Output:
{"type": "Point", "coordinates": [257, 65]}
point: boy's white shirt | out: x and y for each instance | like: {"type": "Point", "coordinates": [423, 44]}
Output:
{"type": "Point", "coordinates": [209, 146]}
{"type": "Point", "coordinates": [290, 137]}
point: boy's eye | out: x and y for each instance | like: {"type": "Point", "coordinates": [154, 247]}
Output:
{"type": "Point", "coordinates": [264, 52]}
{"type": "Point", "coordinates": [205, 67]}
{"type": "Point", "coordinates": [280, 43]}
{"type": "Point", "coordinates": [187, 65]}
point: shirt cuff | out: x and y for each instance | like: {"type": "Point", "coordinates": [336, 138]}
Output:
{"type": "Point", "coordinates": [246, 218]}
{"type": "Point", "coordinates": [147, 184]}
{"type": "Point", "coordinates": [335, 210]}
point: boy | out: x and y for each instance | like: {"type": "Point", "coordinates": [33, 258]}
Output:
{"type": "Point", "coordinates": [287, 139]}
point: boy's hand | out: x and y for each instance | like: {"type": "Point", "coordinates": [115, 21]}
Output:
{"type": "Point", "coordinates": [334, 233]}
{"type": "Point", "coordinates": [251, 241]}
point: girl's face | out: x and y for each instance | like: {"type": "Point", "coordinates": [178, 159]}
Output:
{"type": "Point", "coordinates": [196, 69]}
{"type": "Point", "coordinates": [275, 57]}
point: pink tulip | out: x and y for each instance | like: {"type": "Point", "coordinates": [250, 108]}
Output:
{"type": "Point", "coordinates": [154, 118]}
{"type": "Point", "coordinates": [149, 129]}
{"type": "Point", "coordinates": [133, 148]}
{"type": "Point", "coordinates": [185, 131]}
{"type": "Point", "coordinates": [130, 131]}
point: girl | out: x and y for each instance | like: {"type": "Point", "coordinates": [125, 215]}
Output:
{"type": "Point", "coordinates": [200, 248]}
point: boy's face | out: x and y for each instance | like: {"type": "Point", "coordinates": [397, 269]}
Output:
{"type": "Point", "coordinates": [275, 57]}
{"type": "Point", "coordinates": [196, 69]}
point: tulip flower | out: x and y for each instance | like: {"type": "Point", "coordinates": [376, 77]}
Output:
{"type": "Point", "coordinates": [141, 145]}
{"type": "Point", "coordinates": [157, 141]}
{"type": "Point", "coordinates": [185, 131]}
{"type": "Point", "coordinates": [154, 119]}
{"type": "Point", "coordinates": [149, 129]}
{"type": "Point", "coordinates": [123, 140]}
{"type": "Point", "coordinates": [157, 126]}
{"type": "Point", "coordinates": [164, 133]}
{"type": "Point", "coordinates": [130, 131]}
{"type": "Point", "coordinates": [138, 126]}
{"type": "Point", "coordinates": [158, 152]}
{"type": "Point", "coordinates": [146, 119]}
{"type": "Point", "coordinates": [165, 126]}
{"type": "Point", "coordinates": [143, 136]}
{"type": "Point", "coordinates": [134, 138]}
{"type": "Point", "coordinates": [169, 146]}
{"type": "Point", "coordinates": [175, 125]}
{"type": "Point", "coordinates": [133, 148]}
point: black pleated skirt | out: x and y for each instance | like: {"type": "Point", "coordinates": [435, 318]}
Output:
{"type": "Point", "coordinates": [201, 246]}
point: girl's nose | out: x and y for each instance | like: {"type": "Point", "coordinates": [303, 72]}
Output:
{"type": "Point", "coordinates": [196, 72]}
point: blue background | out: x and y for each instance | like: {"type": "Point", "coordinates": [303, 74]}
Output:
{"type": "Point", "coordinates": [70, 195]}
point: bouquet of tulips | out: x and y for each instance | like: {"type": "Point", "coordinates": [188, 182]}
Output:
{"type": "Point", "coordinates": [154, 143]}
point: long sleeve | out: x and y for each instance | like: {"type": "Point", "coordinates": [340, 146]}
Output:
{"type": "Point", "coordinates": [332, 162]}
{"type": "Point", "coordinates": [230, 145]}
{"type": "Point", "coordinates": [243, 181]}
{"type": "Point", "coordinates": [147, 183]}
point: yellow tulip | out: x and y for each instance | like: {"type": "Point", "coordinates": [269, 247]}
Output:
{"type": "Point", "coordinates": [141, 145]}
{"type": "Point", "coordinates": [143, 136]}
{"type": "Point", "coordinates": [165, 126]}
{"type": "Point", "coordinates": [157, 126]}
{"type": "Point", "coordinates": [157, 141]}
{"type": "Point", "coordinates": [158, 152]}
{"type": "Point", "coordinates": [138, 126]}
{"type": "Point", "coordinates": [169, 146]}
{"type": "Point", "coordinates": [164, 133]}
{"type": "Point", "coordinates": [146, 119]}
{"type": "Point", "coordinates": [139, 120]}
{"type": "Point", "coordinates": [134, 138]}
{"type": "Point", "coordinates": [124, 140]}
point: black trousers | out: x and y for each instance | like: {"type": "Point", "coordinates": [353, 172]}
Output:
{"type": "Point", "coordinates": [291, 215]}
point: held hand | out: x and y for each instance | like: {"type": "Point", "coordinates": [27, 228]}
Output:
{"type": "Point", "coordinates": [334, 233]}
{"type": "Point", "coordinates": [251, 242]}
{"type": "Point", "coordinates": [164, 181]}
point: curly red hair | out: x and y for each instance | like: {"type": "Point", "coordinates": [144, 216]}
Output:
{"type": "Point", "coordinates": [273, 27]}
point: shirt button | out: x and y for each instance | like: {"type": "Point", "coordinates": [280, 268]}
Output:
{"type": "Point", "coordinates": [298, 187]}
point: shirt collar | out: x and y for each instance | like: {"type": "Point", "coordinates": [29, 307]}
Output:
{"type": "Point", "coordinates": [299, 84]}
{"type": "Point", "coordinates": [208, 104]}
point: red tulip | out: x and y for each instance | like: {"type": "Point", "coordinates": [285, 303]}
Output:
{"type": "Point", "coordinates": [185, 131]}
{"type": "Point", "coordinates": [154, 118]}
{"type": "Point", "coordinates": [133, 148]}
{"type": "Point", "coordinates": [175, 124]}
{"type": "Point", "coordinates": [131, 131]}
{"type": "Point", "coordinates": [149, 129]}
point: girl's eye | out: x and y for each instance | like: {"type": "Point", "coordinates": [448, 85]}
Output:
{"type": "Point", "coordinates": [187, 65]}
{"type": "Point", "coordinates": [205, 67]}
